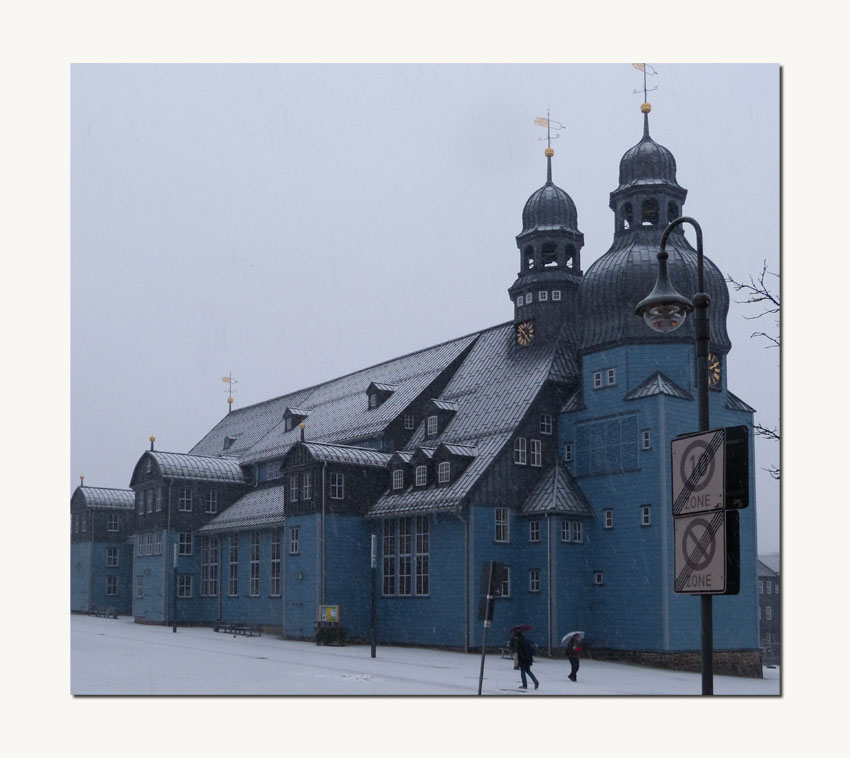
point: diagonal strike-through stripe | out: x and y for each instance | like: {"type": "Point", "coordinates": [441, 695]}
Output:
{"type": "Point", "coordinates": [702, 545]}
{"type": "Point", "coordinates": [697, 474]}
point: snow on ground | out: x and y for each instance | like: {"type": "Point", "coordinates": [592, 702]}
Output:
{"type": "Point", "coordinates": [120, 657]}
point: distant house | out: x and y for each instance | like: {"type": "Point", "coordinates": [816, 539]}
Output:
{"type": "Point", "coordinates": [770, 609]}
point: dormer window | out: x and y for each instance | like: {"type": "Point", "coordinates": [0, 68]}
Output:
{"type": "Point", "coordinates": [556, 294]}
{"type": "Point", "coordinates": [373, 400]}
{"type": "Point", "coordinates": [444, 472]}
{"type": "Point", "coordinates": [378, 393]}
{"type": "Point", "coordinates": [432, 426]}
{"type": "Point", "coordinates": [529, 297]}
{"type": "Point", "coordinates": [398, 479]}
{"type": "Point", "coordinates": [292, 417]}
{"type": "Point", "coordinates": [421, 476]}
{"type": "Point", "coordinates": [543, 295]}
{"type": "Point", "coordinates": [409, 421]}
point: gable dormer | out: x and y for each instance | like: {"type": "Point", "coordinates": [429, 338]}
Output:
{"type": "Point", "coordinates": [450, 461]}
{"type": "Point", "coordinates": [422, 467]}
{"type": "Point", "coordinates": [438, 414]}
{"type": "Point", "coordinates": [400, 470]}
{"type": "Point", "coordinates": [378, 393]}
{"type": "Point", "coordinates": [292, 417]}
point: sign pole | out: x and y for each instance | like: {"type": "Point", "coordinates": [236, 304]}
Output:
{"type": "Point", "coordinates": [488, 616]}
{"type": "Point", "coordinates": [374, 592]}
{"type": "Point", "coordinates": [174, 571]}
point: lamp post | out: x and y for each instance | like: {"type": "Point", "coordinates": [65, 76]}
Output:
{"type": "Point", "coordinates": [665, 310]}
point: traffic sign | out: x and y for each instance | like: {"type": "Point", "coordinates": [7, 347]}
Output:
{"type": "Point", "coordinates": [699, 472]}
{"type": "Point", "coordinates": [700, 555]}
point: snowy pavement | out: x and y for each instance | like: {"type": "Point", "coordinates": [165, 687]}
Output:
{"type": "Point", "coordinates": [119, 657]}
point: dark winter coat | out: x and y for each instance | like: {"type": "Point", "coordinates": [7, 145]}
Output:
{"type": "Point", "coordinates": [522, 647]}
{"type": "Point", "coordinates": [573, 647]}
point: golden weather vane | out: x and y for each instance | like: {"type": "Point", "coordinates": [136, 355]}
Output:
{"type": "Point", "coordinates": [647, 69]}
{"type": "Point", "coordinates": [230, 381]}
{"type": "Point", "coordinates": [549, 124]}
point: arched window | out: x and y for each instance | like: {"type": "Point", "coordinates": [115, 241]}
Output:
{"type": "Point", "coordinates": [570, 253]}
{"type": "Point", "coordinates": [549, 256]}
{"type": "Point", "coordinates": [528, 258]}
{"type": "Point", "coordinates": [672, 212]}
{"type": "Point", "coordinates": [628, 217]}
{"type": "Point", "coordinates": [649, 212]}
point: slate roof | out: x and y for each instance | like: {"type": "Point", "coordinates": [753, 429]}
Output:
{"type": "Point", "coordinates": [338, 409]}
{"type": "Point", "coordinates": [201, 467]}
{"type": "Point", "coordinates": [493, 390]}
{"type": "Point", "coordinates": [257, 510]}
{"type": "Point", "coordinates": [107, 498]}
{"type": "Point", "coordinates": [734, 403]}
{"type": "Point", "coordinates": [557, 492]}
{"type": "Point", "coordinates": [356, 456]}
{"type": "Point", "coordinates": [574, 403]}
{"type": "Point", "coordinates": [658, 384]}
{"type": "Point", "coordinates": [768, 565]}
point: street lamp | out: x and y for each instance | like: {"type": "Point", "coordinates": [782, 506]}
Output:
{"type": "Point", "coordinates": [665, 310]}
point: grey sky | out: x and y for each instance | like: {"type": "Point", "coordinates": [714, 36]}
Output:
{"type": "Point", "coordinates": [293, 223]}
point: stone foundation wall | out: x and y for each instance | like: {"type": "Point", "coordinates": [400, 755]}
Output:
{"type": "Point", "coordinates": [725, 662]}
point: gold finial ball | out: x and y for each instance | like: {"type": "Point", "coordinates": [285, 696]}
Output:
{"type": "Point", "coordinates": [230, 400]}
{"type": "Point", "coordinates": [152, 438]}
{"type": "Point", "coordinates": [645, 108]}
{"type": "Point", "coordinates": [302, 425]}
{"type": "Point", "coordinates": [548, 152]}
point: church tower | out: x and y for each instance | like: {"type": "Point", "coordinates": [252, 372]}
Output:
{"type": "Point", "coordinates": [550, 243]}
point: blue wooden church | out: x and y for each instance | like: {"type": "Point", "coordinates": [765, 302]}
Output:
{"type": "Point", "coordinates": [542, 442]}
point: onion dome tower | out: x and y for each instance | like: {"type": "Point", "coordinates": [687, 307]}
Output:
{"type": "Point", "coordinates": [647, 199]}
{"type": "Point", "coordinates": [550, 244]}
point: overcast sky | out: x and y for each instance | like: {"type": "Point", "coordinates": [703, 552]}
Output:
{"type": "Point", "coordinates": [294, 223]}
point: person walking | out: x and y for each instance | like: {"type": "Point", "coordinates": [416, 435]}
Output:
{"type": "Point", "coordinates": [573, 649]}
{"type": "Point", "coordinates": [523, 651]}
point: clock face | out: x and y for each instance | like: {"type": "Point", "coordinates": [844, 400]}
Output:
{"type": "Point", "coordinates": [524, 333]}
{"type": "Point", "coordinates": [714, 370]}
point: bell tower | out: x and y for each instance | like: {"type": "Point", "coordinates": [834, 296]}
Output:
{"type": "Point", "coordinates": [550, 246]}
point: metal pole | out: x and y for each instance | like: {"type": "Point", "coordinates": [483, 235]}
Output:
{"type": "Point", "coordinates": [374, 593]}
{"type": "Point", "coordinates": [488, 615]}
{"type": "Point", "coordinates": [174, 571]}
{"type": "Point", "coordinates": [702, 337]}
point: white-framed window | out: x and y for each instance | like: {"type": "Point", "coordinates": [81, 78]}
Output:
{"type": "Point", "coordinates": [139, 545]}
{"type": "Point", "coordinates": [566, 532]}
{"type": "Point", "coordinates": [432, 426]}
{"type": "Point", "coordinates": [398, 479]}
{"type": "Point", "coordinates": [233, 561]}
{"type": "Point", "coordinates": [409, 422]}
{"type": "Point", "coordinates": [421, 476]}
{"type": "Point", "coordinates": [337, 488]}
{"type": "Point", "coordinates": [536, 453]}
{"type": "Point", "coordinates": [158, 500]}
{"type": "Point", "coordinates": [423, 556]}
{"type": "Point", "coordinates": [111, 556]}
{"type": "Point", "coordinates": [529, 297]}
{"type": "Point", "coordinates": [140, 501]}
{"type": "Point", "coordinates": [149, 543]}
{"type": "Point", "coordinates": [545, 423]}
{"type": "Point", "coordinates": [534, 530]}
{"type": "Point", "coordinates": [519, 451]}
{"type": "Point", "coordinates": [506, 582]}
{"type": "Point", "coordinates": [294, 487]}
{"type": "Point", "coordinates": [444, 471]}
{"type": "Point", "coordinates": [157, 543]}
{"type": "Point", "coordinates": [254, 566]}
{"type": "Point", "coordinates": [577, 532]}
{"type": "Point", "coordinates": [568, 452]}
{"type": "Point", "coordinates": [273, 470]}
{"type": "Point", "coordinates": [209, 567]}
{"type": "Point", "coordinates": [776, 588]}
{"type": "Point", "coordinates": [609, 518]}
{"type": "Point", "coordinates": [389, 556]}
{"type": "Point", "coordinates": [112, 522]}
{"type": "Point", "coordinates": [184, 502]}
{"type": "Point", "coordinates": [612, 377]}
{"type": "Point", "coordinates": [556, 294]}
{"type": "Point", "coordinates": [373, 400]}
{"type": "Point", "coordinates": [274, 573]}
{"type": "Point", "coordinates": [768, 585]}
{"type": "Point", "coordinates": [405, 556]}
{"type": "Point", "coordinates": [597, 379]}
{"type": "Point", "coordinates": [294, 536]}
{"type": "Point", "coordinates": [761, 587]}
{"type": "Point", "coordinates": [211, 501]}
{"type": "Point", "coordinates": [184, 585]}
{"type": "Point", "coordinates": [543, 295]}
{"type": "Point", "coordinates": [502, 525]}
{"type": "Point", "coordinates": [111, 584]}
{"type": "Point", "coordinates": [534, 580]}
{"type": "Point", "coordinates": [140, 586]}
{"type": "Point", "coordinates": [645, 515]}
{"type": "Point", "coordinates": [646, 439]}
{"type": "Point", "coordinates": [598, 577]}
{"type": "Point", "coordinates": [768, 613]}
{"type": "Point", "coordinates": [520, 300]}
{"type": "Point", "coordinates": [149, 500]}
{"type": "Point", "coordinates": [307, 485]}
{"type": "Point", "coordinates": [84, 519]}
{"type": "Point", "coordinates": [184, 543]}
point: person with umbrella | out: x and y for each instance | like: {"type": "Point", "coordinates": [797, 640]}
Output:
{"type": "Point", "coordinates": [523, 651]}
{"type": "Point", "coordinates": [572, 641]}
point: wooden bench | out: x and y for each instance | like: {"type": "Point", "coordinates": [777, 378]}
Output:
{"type": "Point", "coordinates": [109, 613]}
{"type": "Point", "coordinates": [246, 630]}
